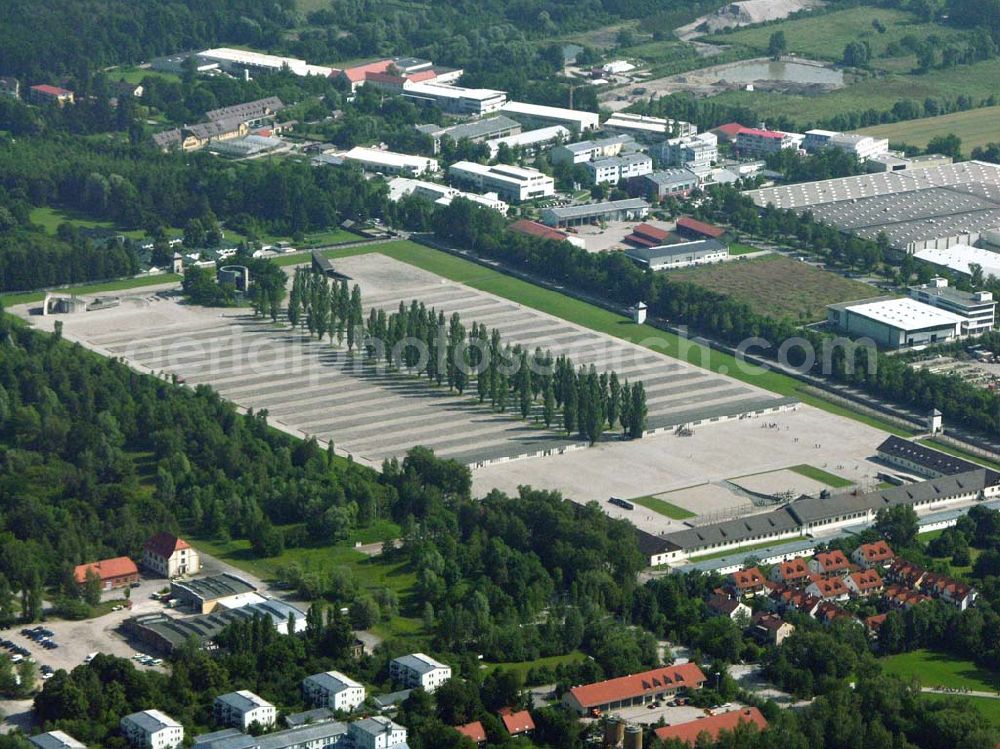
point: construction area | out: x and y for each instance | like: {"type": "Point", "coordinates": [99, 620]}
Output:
{"type": "Point", "coordinates": [744, 13]}
{"type": "Point", "coordinates": [311, 387]}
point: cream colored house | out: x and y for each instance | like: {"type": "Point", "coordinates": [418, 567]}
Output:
{"type": "Point", "coordinates": [170, 556]}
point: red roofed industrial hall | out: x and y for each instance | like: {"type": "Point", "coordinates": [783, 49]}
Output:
{"type": "Point", "coordinates": [637, 689]}
{"type": "Point", "coordinates": [713, 726]}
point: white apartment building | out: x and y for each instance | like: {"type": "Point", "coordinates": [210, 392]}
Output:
{"type": "Point", "coordinates": [151, 729]}
{"type": "Point", "coordinates": [389, 162]}
{"type": "Point", "coordinates": [334, 690]}
{"type": "Point", "coordinates": [751, 141]}
{"type": "Point", "coordinates": [375, 733]}
{"type": "Point", "coordinates": [619, 168]}
{"type": "Point", "coordinates": [242, 709]}
{"type": "Point", "coordinates": [529, 142]}
{"type": "Point", "coordinates": [863, 147]}
{"type": "Point", "coordinates": [456, 99]}
{"type": "Point", "coordinates": [512, 183]}
{"type": "Point", "coordinates": [419, 670]}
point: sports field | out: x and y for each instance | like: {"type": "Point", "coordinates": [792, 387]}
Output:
{"type": "Point", "coordinates": [776, 286]}
{"type": "Point", "coordinates": [976, 127]}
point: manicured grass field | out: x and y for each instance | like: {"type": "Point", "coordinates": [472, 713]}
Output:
{"type": "Point", "coordinates": [825, 35]}
{"type": "Point", "coordinates": [976, 127]}
{"type": "Point", "coordinates": [941, 670]}
{"type": "Point", "coordinates": [777, 286]}
{"type": "Point", "coordinates": [522, 667]}
{"type": "Point", "coordinates": [50, 218]}
{"type": "Point", "coordinates": [824, 477]}
{"type": "Point", "coordinates": [664, 508]}
{"type": "Point", "coordinates": [135, 75]}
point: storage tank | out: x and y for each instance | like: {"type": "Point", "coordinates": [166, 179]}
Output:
{"type": "Point", "coordinates": [237, 275]}
{"type": "Point", "coordinates": [633, 737]}
{"type": "Point", "coordinates": [614, 732]}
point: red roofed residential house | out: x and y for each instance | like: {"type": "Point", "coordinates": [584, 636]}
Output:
{"type": "Point", "coordinates": [830, 563]}
{"type": "Point", "coordinates": [474, 731]}
{"type": "Point", "coordinates": [828, 588]}
{"type": "Point", "coordinates": [517, 723]}
{"type": "Point", "coordinates": [114, 573]}
{"type": "Point", "coordinates": [829, 612]}
{"type": "Point", "coordinates": [949, 590]}
{"type": "Point", "coordinates": [712, 726]}
{"type": "Point", "coordinates": [692, 228]}
{"type": "Point", "coordinates": [46, 94]}
{"type": "Point", "coordinates": [748, 582]}
{"type": "Point", "coordinates": [793, 572]}
{"type": "Point", "coordinates": [873, 555]}
{"type": "Point", "coordinates": [357, 75]}
{"type": "Point", "coordinates": [874, 623]}
{"type": "Point", "coordinates": [722, 605]}
{"type": "Point", "coordinates": [865, 583]}
{"type": "Point", "coordinates": [771, 629]}
{"type": "Point", "coordinates": [637, 689]}
{"type": "Point", "coordinates": [170, 556]}
{"type": "Point", "coordinates": [901, 597]}
{"type": "Point", "coordinates": [789, 598]}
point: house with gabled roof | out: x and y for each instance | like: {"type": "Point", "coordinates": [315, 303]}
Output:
{"type": "Point", "coordinates": [517, 722]}
{"type": "Point", "coordinates": [864, 583]}
{"type": "Point", "coordinates": [793, 572]}
{"type": "Point", "coordinates": [747, 582]}
{"type": "Point", "coordinates": [828, 588]}
{"type": "Point", "coordinates": [712, 726]}
{"type": "Point", "coordinates": [829, 563]}
{"type": "Point", "coordinates": [635, 689]}
{"type": "Point", "coordinates": [170, 556]}
{"type": "Point", "coordinates": [474, 731]}
{"type": "Point", "coordinates": [874, 555]}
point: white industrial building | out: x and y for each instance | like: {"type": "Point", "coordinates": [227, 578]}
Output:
{"type": "Point", "coordinates": [389, 162]}
{"type": "Point", "coordinates": [682, 255]}
{"type": "Point", "coordinates": [230, 59]}
{"type": "Point", "coordinates": [334, 690]}
{"type": "Point", "coordinates": [589, 150]}
{"type": "Point", "coordinates": [419, 671]}
{"type": "Point", "coordinates": [895, 323]}
{"type": "Point", "coordinates": [695, 152]}
{"type": "Point", "coordinates": [531, 141]}
{"type": "Point", "coordinates": [242, 709]}
{"type": "Point", "coordinates": [513, 183]}
{"type": "Point", "coordinates": [619, 168]}
{"type": "Point", "coordinates": [649, 129]}
{"type": "Point", "coordinates": [456, 99]}
{"type": "Point", "coordinates": [752, 141]}
{"type": "Point", "coordinates": [151, 729]}
{"type": "Point", "coordinates": [536, 115]}
{"type": "Point", "coordinates": [631, 209]}
{"type": "Point", "coordinates": [976, 308]}
{"type": "Point", "coordinates": [617, 67]}
{"type": "Point", "coordinates": [400, 187]}
{"type": "Point", "coordinates": [376, 732]}
{"type": "Point", "coordinates": [863, 147]}
{"type": "Point", "coordinates": [960, 258]}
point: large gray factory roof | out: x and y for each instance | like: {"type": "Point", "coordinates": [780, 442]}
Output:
{"type": "Point", "coordinates": [908, 206]}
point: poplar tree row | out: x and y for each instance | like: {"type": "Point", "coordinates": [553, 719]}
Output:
{"type": "Point", "coordinates": [326, 309]}
{"type": "Point", "coordinates": [422, 340]}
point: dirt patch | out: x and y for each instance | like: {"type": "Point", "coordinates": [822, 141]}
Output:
{"type": "Point", "coordinates": [744, 13]}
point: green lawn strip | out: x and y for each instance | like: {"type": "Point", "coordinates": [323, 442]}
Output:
{"type": "Point", "coordinates": [959, 453]}
{"type": "Point", "coordinates": [824, 477]}
{"type": "Point", "coordinates": [745, 550]}
{"type": "Point", "coordinates": [932, 669]}
{"type": "Point", "coordinates": [9, 300]}
{"type": "Point", "coordinates": [522, 667]}
{"type": "Point", "coordinates": [736, 249]}
{"type": "Point", "coordinates": [930, 535]}
{"type": "Point", "coordinates": [664, 508]}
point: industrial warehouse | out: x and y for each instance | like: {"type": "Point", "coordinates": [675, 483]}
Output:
{"type": "Point", "coordinates": [917, 209]}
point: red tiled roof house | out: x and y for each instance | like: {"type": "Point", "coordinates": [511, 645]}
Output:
{"type": "Point", "coordinates": [170, 556]}
{"type": "Point", "coordinates": [869, 556]}
{"type": "Point", "coordinates": [712, 726]}
{"type": "Point", "coordinates": [114, 573]}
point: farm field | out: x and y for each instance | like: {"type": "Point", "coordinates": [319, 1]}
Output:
{"type": "Point", "coordinates": [976, 127]}
{"type": "Point", "coordinates": [777, 286]}
{"type": "Point", "coordinates": [933, 669]}
{"type": "Point", "coordinates": [825, 35]}
{"type": "Point", "coordinates": [978, 81]}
